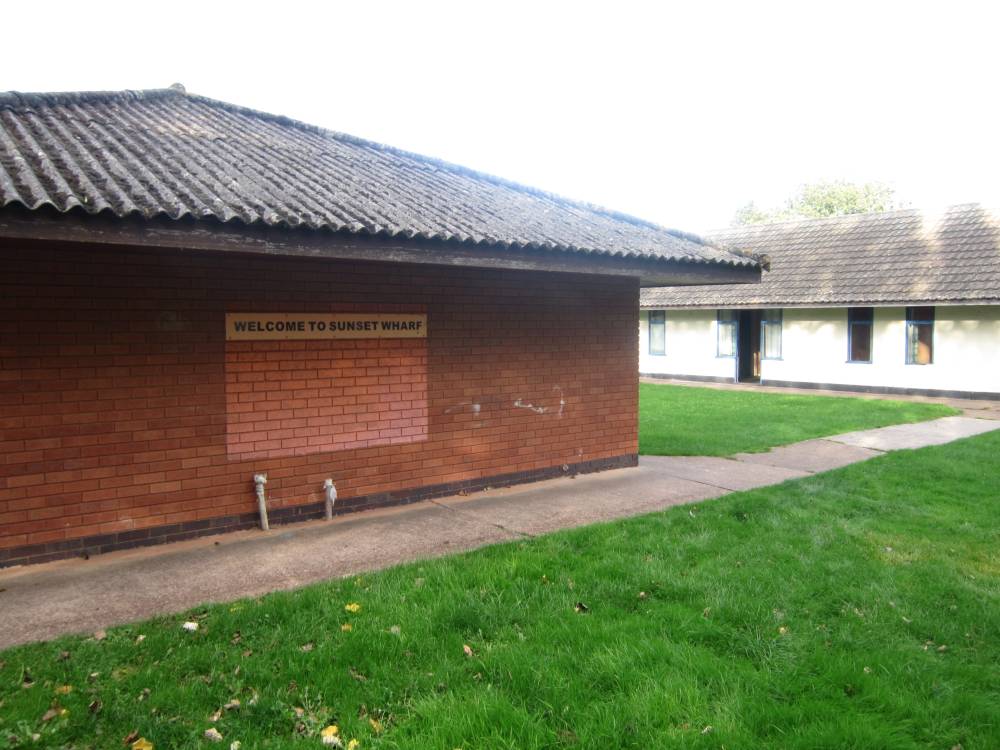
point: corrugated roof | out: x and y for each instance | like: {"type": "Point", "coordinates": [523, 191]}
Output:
{"type": "Point", "coordinates": [166, 153]}
{"type": "Point", "coordinates": [899, 257]}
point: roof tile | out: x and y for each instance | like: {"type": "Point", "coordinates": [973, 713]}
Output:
{"type": "Point", "coordinates": [898, 257]}
{"type": "Point", "coordinates": [165, 153]}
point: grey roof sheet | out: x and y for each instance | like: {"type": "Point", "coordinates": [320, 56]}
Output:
{"type": "Point", "coordinates": [166, 153]}
{"type": "Point", "coordinates": [899, 257]}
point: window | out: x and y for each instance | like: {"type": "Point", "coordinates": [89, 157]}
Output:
{"type": "Point", "coordinates": [657, 332]}
{"type": "Point", "coordinates": [919, 335]}
{"type": "Point", "coordinates": [726, 335]}
{"type": "Point", "coordinates": [859, 334]}
{"type": "Point", "coordinates": [770, 334]}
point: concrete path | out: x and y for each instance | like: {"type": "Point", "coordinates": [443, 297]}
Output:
{"type": "Point", "coordinates": [43, 601]}
{"type": "Point", "coordinates": [918, 435]}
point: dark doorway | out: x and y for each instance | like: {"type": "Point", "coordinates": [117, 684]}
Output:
{"type": "Point", "coordinates": [748, 346]}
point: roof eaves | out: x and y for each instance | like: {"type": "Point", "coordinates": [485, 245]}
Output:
{"type": "Point", "coordinates": [15, 99]}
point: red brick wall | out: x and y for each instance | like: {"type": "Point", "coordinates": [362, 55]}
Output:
{"type": "Point", "coordinates": [293, 398]}
{"type": "Point", "coordinates": [114, 415]}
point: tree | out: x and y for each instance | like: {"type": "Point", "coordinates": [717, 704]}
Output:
{"type": "Point", "coordinates": [818, 199]}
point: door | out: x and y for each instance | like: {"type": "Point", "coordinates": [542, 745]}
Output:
{"type": "Point", "coordinates": [748, 346]}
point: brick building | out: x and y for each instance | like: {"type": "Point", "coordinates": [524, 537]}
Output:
{"type": "Point", "coordinates": [194, 293]}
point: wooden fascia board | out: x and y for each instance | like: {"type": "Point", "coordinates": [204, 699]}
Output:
{"type": "Point", "coordinates": [190, 235]}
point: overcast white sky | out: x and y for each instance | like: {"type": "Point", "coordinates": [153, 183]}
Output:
{"type": "Point", "coordinates": [679, 113]}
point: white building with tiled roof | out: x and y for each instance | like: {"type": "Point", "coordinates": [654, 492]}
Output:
{"type": "Point", "coordinates": [899, 302]}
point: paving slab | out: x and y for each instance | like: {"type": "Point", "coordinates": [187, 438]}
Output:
{"type": "Point", "coordinates": [919, 435]}
{"type": "Point", "coordinates": [810, 456]}
{"type": "Point", "coordinates": [725, 473]}
{"type": "Point", "coordinates": [565, 503]}
{"type": "Point", "coordinates": [70, 596]}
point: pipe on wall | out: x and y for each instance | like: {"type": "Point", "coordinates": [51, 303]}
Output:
{"type": "Point", "coordinates": [259, 481]}
{"type": "Point", "coordinates": [331, 497]}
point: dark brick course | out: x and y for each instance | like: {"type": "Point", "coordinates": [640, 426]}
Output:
{"type": "Point", "coordinates": [192, 529]}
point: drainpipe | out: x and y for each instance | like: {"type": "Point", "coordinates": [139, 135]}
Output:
{"type": "Point", "coordinates": [331, 497]}
{"type": "Point", "coordinates": [259, 481]}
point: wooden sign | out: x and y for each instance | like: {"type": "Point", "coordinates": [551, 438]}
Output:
{"type": "Point", "coordinates": [287, 326]}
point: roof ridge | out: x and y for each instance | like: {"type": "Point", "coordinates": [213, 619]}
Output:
{"type": "Point", "coordinates": [14, 99]}
{"type": "Point", "coordinates": [859, 216]}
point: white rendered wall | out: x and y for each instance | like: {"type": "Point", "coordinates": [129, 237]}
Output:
{"type": "Point", "coordinates": [966, 350]}
{"type": "Point", "coordinates": [691, 346]}
{"type": "Point", "coordinates": [814, 349]}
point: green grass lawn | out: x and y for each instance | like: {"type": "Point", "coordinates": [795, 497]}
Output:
{"type": "Point", "coordinates": [858, 608]}
{"type": "Point", "coordinates": [679, 420]}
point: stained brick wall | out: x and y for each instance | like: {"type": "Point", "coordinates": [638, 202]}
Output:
{"type": "Point", "coordinates": [116, 427]}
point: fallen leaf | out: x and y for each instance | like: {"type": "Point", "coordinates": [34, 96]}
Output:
{"type": "Point", "coordinates": [144, 694]}
{"type": "Point", "coordinates": [581, 608]}
{"type": "Point", "coordinates": [63, 656]}
{"type": "Point", "coordinates": [215, 716]}
{"type": "Point", "coordinates": [212, 735]}
{"type": "Point", "coordinates": [93, 676]}
{"type": "Point", "coordinates": [142, 744]}
{"type": "Point", "coordinates": [782, 630]}
{"type": "Point", "coordinates": [232, 705]}
{"type": "Point", "coordinates": [708, 729]}
{"type": "Point", "coordinates": [468, 650]}
{"type": "Point", "coordinates": [50, 714]}
{"type": "Point", "coordinates": [139, 639]}
{"type": "Point", "coordinates": [642, 594]}
{"type": "Point", "coordinates": [353, 607]}
{"type": "Point", "coordinates": [95, 705]}
{"type": "Point", "coordinates": [942, 648]}
{"type": "Point", "coordinates": [376, 725]}
{"type": "Point", "coordinates": [100, 635]}
{"type": "Point", "coordinates": [64, 690]}
{"type": "Point", "coordinates": [357, 675]}
{"type": "Point", "coordinates": [237, 637]}
{"type": "Point", "coordinates": [330, 736]}
{"type": "Point", "coordinates": [235, 744]}
{"type": "Point", "coordinates": [307, 647]}
{"type": "Point", "coordinates": [131, 737]}
{"type": "Point", "coordinates": [346, 627]}
{"type": "Point", "coordinates": [190, 626]}
{"type": "Point", "coordinates": [395, 630]}
{"type": "Point", "coordinates": [353, 745]}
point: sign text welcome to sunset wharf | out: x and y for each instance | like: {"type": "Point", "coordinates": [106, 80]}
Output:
{"type": "Point", "coordinates": [284, 326]}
